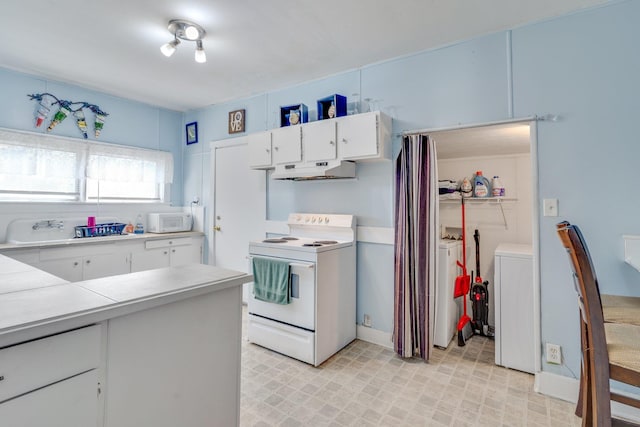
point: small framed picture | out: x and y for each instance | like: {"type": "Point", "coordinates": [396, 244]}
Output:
{"type": "Point", "coordinates": [236, 121]}
{"type": "Point", "coordinates": [192, 132]}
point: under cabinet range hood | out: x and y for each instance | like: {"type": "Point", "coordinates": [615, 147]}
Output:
{"type": "Point", "coordinates": [330, 169]}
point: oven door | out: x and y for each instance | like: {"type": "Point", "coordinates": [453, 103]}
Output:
{"type": "Point", "coordinates": [301, 311]}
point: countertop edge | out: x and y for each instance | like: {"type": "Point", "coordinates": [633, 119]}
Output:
{"type": "Point", "coordinates": [52, 325]}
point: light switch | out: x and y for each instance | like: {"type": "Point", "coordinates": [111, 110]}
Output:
{"type": "Point", "coordinates": [550, 207]}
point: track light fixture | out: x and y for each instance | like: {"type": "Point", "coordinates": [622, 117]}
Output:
{"type": "Point", "coordinates": [185, 30]}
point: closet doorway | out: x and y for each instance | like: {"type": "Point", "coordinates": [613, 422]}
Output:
{"type": "Point", "coordinates": [507, 150]}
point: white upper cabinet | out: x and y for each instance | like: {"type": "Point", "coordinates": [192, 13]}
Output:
{"type": "Point", "coordinates": [319, 140]}
{"type": "Point", "coordinates": [364, 137]}
{"type": "Point", "coordinates": [287, 144]}
{"type": "Point", "coordinates": [359, 137]}
{"type": "Point", "coordinates": [260, 150]}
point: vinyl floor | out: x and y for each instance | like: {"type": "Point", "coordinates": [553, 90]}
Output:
{"type": "Point", "coordinates": [369, 385]}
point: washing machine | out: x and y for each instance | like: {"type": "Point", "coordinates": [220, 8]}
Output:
{"type": "Point", "coordinates": [447, 312]}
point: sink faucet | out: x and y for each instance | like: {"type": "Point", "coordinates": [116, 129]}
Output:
{"type": "Point", "coordinates": [50, 223]}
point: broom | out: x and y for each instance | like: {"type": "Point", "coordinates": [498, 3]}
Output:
{"type": "Point", "coordinates": [461, 288]}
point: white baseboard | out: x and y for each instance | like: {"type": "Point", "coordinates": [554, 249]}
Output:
{"type": "Point", "coordinates": [374, 336]}
{"type": "Point", "coordinates": [557, 386]}
{"type": "Point", "coordinates": [566, 388]}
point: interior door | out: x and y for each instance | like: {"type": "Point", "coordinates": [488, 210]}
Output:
{"type": "Point", "coordinates": [239, 211]}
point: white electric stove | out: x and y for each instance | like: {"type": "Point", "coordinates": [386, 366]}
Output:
{"type": "Point", "coordinates": [321, 318]}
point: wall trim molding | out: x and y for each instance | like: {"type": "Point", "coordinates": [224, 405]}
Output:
{"type": "Point", "coordinates": [566, 388]}
{"type": "Point", "coordinates": [374, 336]}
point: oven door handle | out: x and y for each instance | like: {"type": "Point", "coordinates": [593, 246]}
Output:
{"type": "Point", "coordinates": [293, 264]}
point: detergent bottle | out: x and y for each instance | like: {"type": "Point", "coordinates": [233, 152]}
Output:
{"type": "Point", "coordinates": [480, 185]}
{"type": "Point", "coordinates": [497, 189]}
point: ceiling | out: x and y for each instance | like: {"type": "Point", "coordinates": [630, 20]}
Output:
{"type": "Point", "coordinates": [252, 46]}
{"type": "Point", "coordinates": [495, 140]}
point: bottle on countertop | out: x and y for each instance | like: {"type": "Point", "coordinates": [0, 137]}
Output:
{"type": "Point", "coordinates": [497, 189]}
{"type": "Point", "coordinates": [480, 185]}
{"type": "Point", "coordinates": [129, 228]}
{"type": "Point", "coordinates": [139, 228]}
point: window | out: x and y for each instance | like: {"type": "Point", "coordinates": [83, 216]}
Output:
{"type": "Point", "coordinates": [35, 167]}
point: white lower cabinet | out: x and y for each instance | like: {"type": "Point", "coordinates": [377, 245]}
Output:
{"type": "Point", "coordinates": [177, 364]}
{"type": "Point", "coordinates": [79, 262]}
{"type": "Point", "coordinates": [75, 269]}
{"type": "Point", "coordinates": [167, 253]}
{"type": "Point", "coordinates": [52, 381]}
{"type": "Point", "coordinates": [68, 403]}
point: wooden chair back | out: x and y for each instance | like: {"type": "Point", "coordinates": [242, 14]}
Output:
{"type": "Point", "coordinates": [595, 397]}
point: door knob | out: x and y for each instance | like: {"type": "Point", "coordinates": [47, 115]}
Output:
{"type": "Point", "coordinates": [216, 228]}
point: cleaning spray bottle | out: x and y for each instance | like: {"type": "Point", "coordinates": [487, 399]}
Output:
{"type": "Point", "coordinates": [480, 185]}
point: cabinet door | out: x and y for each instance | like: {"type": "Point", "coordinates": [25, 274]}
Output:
{"type": "Point", "coordinates": [259, 150]}
{"type": "Point", "coordinates": [358, 136]}
{"type": "Point", "coordinates": [319, 139]}
{"type": "Point", "coordinates": [105, 265]}
{"type": "Point", "coordinates": [65, 268]}
{"type": "Point", "coordinates": [69, 403]}
{"type": "Point", "coordinates": [182, 255]}
{"type": "Point", "coordinates": [150, 259]}
{"type": "Point", "coordinates": [287, 144]}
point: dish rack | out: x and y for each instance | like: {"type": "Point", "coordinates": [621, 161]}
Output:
{"type": "Point", "coordinates": [108, 229]}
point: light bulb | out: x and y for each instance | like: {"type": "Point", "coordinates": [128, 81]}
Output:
{"type": "Point", "coordinates": [168, 49]}
{"type": "Point", "coordinates": [201, 57]}
{"type": "Point", "coordinates": [191, 32]}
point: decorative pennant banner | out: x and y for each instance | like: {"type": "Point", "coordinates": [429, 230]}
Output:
{"type": "Point", "coordinates": [46, 101]}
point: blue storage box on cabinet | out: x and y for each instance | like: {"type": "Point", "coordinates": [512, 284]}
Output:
{"type": "Point", "coordinates": [293, 115]}
{"type": "Point", "coordinates": [332, 106]}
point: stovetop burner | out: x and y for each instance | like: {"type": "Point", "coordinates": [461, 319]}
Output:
{"type": "Point", "coordinates": [274, 241]}
{"type": "Point", "coordinates": [326, 242]}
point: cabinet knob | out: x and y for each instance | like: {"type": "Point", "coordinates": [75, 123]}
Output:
{"type": "Point", "coordinates": [75, 264]}
{"type": "Point", "coordinates": [331, 143]}
{"type": "Point", "coordinates": [165, 252]}
{"type": "Point", "coordinates": [216, 228]}
{"type": "Point", "coordinates": [1, 377]}
{"type": "Point", "coordinates": [266, 149]}
{"type": "Point", "coordinates": [275, 148]}
{"type": "Point", "coordinates": [173, 250]}
{"type": "Point", "coordinates": [344, 140]}
{"type": "Point", "coordinates": [88, 261]}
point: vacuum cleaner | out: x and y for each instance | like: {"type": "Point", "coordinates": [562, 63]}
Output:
{"type": "Point", "coordinates": [480, 298]}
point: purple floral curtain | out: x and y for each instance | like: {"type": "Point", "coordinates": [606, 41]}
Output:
{"type": "Point", "coordinates": [416, 216]}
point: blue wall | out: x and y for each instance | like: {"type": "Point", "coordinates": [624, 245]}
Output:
{"type": "Point", "coordinates": [129, 122]}
{"type": "Point", "coordinates": [583, 67]}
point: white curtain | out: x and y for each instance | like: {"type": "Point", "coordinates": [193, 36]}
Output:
{"type": "Point", "coordinates": [114, 163]}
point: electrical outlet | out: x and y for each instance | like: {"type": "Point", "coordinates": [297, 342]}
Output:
{"type": "Point", "coordinates": [366, 321]}
{"type": "Point", "coordinates": [554, 354]}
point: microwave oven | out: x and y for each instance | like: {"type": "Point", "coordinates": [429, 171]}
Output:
{"type": "Point", "coordinates": [169, 222]}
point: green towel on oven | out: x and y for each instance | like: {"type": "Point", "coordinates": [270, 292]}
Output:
{"type": "Point", "coordinates": [271, 280]}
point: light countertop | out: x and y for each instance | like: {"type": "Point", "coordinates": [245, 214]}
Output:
{"type": "Point", "coordinates": [100, 239]}
{"type": "Point", "coordinates": [32, 299]}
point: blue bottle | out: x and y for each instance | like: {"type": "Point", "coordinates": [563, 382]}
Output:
{"type": "Point", "coordinates": [481, 186]}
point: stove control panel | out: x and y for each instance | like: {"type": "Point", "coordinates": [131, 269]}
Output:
{"type": "Point", "coordinates": [333, 220]}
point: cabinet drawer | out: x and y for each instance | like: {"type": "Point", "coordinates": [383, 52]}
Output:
{"type": "Point", "coordinates": [69, 403]}
{"type": "Point", "coordinates": [165, 243]}
{"type": "Point", "coordinates": [34, 364]}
